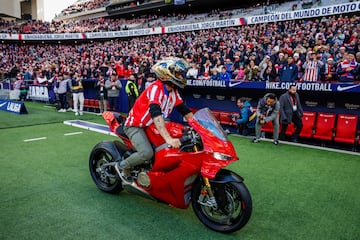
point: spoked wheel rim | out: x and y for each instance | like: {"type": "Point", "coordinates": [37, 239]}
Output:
{"type": "Point", "coordinates": [233, 208]}
{"type": "Point", "coordinates": [105, 176]}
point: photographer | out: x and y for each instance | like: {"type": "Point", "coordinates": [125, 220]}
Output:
{"type": "Point", "coordinates": [101, 93]}
{"type": "Point", "coordinates": [267, 110]}
{"type": "Point", "coordinates": [113, 86]}
{"type": "Point", "coordinates": [246, 120]}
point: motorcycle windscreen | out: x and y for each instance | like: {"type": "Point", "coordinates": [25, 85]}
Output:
{"type": "Point", "coordinates": [206, 119]}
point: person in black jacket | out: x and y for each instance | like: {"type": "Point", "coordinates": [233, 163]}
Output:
{"type": "Point", "coordinates": [101, 93]}
{"type": "Point", "coordinates": [290, 111]}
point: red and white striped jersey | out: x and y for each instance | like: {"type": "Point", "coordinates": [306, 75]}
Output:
{"type": "Point", "coordinates": [155, 93]}
{"type": "Point", "coordinates": [311, 73]}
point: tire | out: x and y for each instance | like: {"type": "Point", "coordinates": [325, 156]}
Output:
{"type": "Point", "coordinates": [105, 178]}
{"type": "Point", "coordinates": [234, 206]}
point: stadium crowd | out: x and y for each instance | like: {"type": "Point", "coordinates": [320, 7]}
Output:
{"type": "Point", "coordinates": [85, 6]}
{"type": "Point", "coordinates": [102, 24]}
{"type": "Point", "coordinates": [322, 49]}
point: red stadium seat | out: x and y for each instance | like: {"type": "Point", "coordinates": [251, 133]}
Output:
{"type": "Point", "coordinates": [225, 119]}
{"type": "Point", "coordinates": [308, 120]}
{"type": "Point", "coordinates": [345, 131]}
{"type": "Point", "coordinates": [96, 104]}
{"type": "Point", "coordinates": [324, 129]}
{"type": "Point", "coordinates": [290, 129]}
{"type": "Point", "coordinates": [86, 104]}
{"type": "Point", "coordinates": [268, 127]}
{"type": "Point", "coordinates": [92, 103]}
{"type": "Point", "coordinates": [216, 114]}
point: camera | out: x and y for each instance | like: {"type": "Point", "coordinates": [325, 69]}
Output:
{"type": "Point", "coordinates": [232, 116]}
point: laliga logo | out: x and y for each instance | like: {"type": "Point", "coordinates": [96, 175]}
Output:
{"type": "Point", "coordinates": [13, 107]}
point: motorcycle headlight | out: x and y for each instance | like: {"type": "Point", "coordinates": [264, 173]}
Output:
{"type": "Point", "coordinates": [222, 156]}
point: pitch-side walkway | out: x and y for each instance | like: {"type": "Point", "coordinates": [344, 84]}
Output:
{"type": "Point", "coordinates": [105, 130]}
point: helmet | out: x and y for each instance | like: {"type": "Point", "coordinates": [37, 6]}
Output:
{"type": "Point", "coordinates": [172, 70]}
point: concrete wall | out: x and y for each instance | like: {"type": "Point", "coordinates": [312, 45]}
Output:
{"type": "Point", "coordinates": [10, 8]}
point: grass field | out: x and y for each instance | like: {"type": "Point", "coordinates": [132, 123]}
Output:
{"type": "Point", "coordinates": [46, 191]}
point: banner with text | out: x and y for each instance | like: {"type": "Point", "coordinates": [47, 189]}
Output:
{"type": "Point", "coordinates": [301, 86]}
{"type": "Point", "coordinates": [306, 13]}
{"type": "Point", "coordinates": [280, 16]}
{"type": "Point", "coordinates": [38, 93]}
{"type": "Point", "coordinates": [12, 106]}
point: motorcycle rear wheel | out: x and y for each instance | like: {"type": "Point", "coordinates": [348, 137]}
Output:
{"type": "Point", "coordinates": [237, 204]}
{"type": "Point", "coordinates": [105, 178]}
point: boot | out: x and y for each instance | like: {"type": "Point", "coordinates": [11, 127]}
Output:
{"type": "Point", "coordinates": [125, 172]}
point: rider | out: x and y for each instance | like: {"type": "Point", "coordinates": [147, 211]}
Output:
{"type": "Point", "coordinates": [154, 104]}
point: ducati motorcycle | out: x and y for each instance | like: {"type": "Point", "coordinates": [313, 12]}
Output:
{"type": "Point", "coordinates": [192, 174]}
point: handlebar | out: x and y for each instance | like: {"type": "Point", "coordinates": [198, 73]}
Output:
{"type": "Point", "coordinates": [185, 138]}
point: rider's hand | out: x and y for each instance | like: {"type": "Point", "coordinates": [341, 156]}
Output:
{"type": "Point", "coordinates": [173, 142]}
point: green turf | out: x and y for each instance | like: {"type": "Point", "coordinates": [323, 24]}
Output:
{"type": "Point", "coordinates": [39, 113]}
{"type": "Point", "coordinates": [46, 191]}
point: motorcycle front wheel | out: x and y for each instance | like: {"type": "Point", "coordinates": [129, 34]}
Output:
{"type": "Point", "coordinates": [232, 210]}
{"type": "Point", "coordinates": [102, 171]}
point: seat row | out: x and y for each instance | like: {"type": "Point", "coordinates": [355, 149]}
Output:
{"type": "Point", "coordinates": [340, 128]}
{"type": "Point", "coordinates": [92, 105]}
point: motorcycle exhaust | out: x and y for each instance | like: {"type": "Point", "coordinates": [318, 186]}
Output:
{"type": "Point", "coordinates": [133, 187]}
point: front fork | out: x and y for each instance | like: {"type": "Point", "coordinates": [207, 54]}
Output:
{"type": "Point", "coordinates": [206, 196]}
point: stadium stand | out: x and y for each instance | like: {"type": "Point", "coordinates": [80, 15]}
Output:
{"type": "Point", "coordinates": [330, 37]}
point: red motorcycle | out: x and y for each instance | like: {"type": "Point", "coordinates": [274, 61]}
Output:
{"type": "Point", "coordinates": [193, 173]}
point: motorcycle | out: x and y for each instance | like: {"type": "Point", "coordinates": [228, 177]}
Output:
{"type": "Point", "coordinates": [193, 173]}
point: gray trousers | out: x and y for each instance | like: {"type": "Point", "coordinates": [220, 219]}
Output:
{"type": "Point", "coordinates": [275, 124]}
{"type": "Point", "coordinates": [142, 145]}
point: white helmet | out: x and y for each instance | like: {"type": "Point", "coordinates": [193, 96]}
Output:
{"type": "Point", "coordinates": [172, 70]}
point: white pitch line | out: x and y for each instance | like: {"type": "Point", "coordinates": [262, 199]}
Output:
{"type": "Point", "coordinates": [34, 139]}
{"type": "Point", "coordinates": [72, 133]}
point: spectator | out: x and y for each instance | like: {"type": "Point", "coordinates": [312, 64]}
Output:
{"type": "Point", "coordinates": [224, 75]}
{"type": "Point", "coordinates": [193, 72]}
{"type": "Point", "coordinates": [78, 94]}
{"type": "Point", "coordinates": [267, 110]}
{"type": "Point", "coordinates": [113, 86]}
{"type": "Point", "coordinates": [69, 99]}
{"type": "Point", "coordinates": [207, 66]}
{"type": "Point", "coordinates": [348, 69]}
{"type": "Point", "coordinates": [290, 111]}
{"type": "Point", "coordinates": [289, 71]}
{"type": "Point", "coordinates": [263, 65]}
{"type": "Point", "coordinates": [240, 75]}
{"type": "Point", "coordinates": [215, 75]}
{"type": "Point", "coordinates": [270, 74]}
{"type": "Point", "coordinates": [229, 66]}
{"type": "Point", "coordinates": [101, 93]}
{"type": "Point", "coordinates": [328, 71]}
{"type": "Point", "coordinates": [312, 68]}
{"type": "Point", "coordinates": [23, 90]}
{"type": "Point", "coordinates": [299, 63]}
{"type": "Point", "coordinates": [131, 91]}
{"type": "Point", "coordinates": [251, 72]}
{"type": "Point", "coordinates": [61, 89]}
